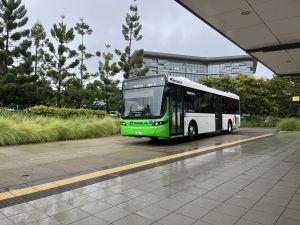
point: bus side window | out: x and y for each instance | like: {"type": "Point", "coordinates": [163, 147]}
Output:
{"type": "Point", "coordinates": [214, 103]}
{"type": "Point", "coordinates": [205, 102]}
{"type": "Point", "coordinates": [190, 100]}
{"type": "Point", "coordinates": [227, 104]}
{"type": "Point", "coordinates": [230, 106]}
{"type": "Point", "coordinates": [197, 102]}
{"type": "Point", "coordinates": [236, 107]}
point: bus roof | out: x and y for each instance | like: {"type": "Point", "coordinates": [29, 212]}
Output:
{"type": "Point", "coordinates": [191, 84]}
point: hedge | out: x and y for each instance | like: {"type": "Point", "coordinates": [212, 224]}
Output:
{"type": "Point", "coordinates": [289, 124]}
{"type": "Point", "coordinates": [63, 112]}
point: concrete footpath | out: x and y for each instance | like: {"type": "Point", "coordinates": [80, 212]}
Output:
{"type": "Point", "coordinates": [36, 162]}
{"type": "Point", "coordinates": [253, 183]}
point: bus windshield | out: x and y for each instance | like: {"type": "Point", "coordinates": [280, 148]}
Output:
{"type": "Point", "coordinates": [143, 102]}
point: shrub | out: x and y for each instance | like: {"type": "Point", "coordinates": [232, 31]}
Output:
{"type": "Point", "coordinates": [22, 128]}
{"type": "Point", "coordinates": [259, 122]}
{"type": "Point", "coordinates": [291, 124]}
{"type": "Point", "coordinates": [63, 112]}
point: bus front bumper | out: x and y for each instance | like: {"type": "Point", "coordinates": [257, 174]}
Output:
{"type": "Point", "coordinates": [151, 131]}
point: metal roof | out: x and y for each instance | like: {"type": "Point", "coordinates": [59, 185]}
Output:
{"type": "Point", "coordinates": [266, 29]}
{"type": "Point", "coordinates": [188, 83]}
{"type": "Point", "coordinates": [197, 58]}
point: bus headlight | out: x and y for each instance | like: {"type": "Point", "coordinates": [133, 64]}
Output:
{"type": "Point", "coordinates": [159, 123]}
{"type": "Point", "coordinates": [123, 124]}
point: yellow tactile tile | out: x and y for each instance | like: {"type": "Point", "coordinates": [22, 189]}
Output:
{"type": "Point", "coordinates": [23, 191]}
{"type": "Point", "coordinates": [63, 182]}
{"type": "Point", "coordinates": [5, 195]}
{"type": "Point", "coordinates": [43, 187]}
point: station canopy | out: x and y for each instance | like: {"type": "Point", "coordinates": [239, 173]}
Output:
{"type": "Point", "coordinates": [269, 30]}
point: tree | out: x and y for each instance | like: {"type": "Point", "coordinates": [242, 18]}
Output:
{"type": "Point", "coordinates": [14, 42]}
{"type": "Point", "coordinates": [83, 30]}
{"type": "Point", "coordinates": [132, 66]}
{"type": "Point", "coordinates": [22, 90]}
{"type": "Point", "coordinates": [73, 93]}
{"type": "Point", "coordinates": [38, 36]}
{"type": "Point", "coordinates": [254, 93]}
{"type": "Point", "coordinates": [255, 96]}
{"type": "Point", "coordinates": [79, 93]}
{"type": "Point", "coordinates": [61, 59]}
{"type": "Point", "coordinates": [283, 89]}
{"type": "Point", "coordinates": [107, 70]}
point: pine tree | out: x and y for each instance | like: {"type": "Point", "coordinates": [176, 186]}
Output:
{"type": "Point", "coordinates": [107, 70]}
{"type": "Point", "coordinates": [77, 91]}
{"type": "Point", "coordinates": [132, 66]}
{"type": "Point", "coordinates": [38, 36]}
{"type": "Point", "coordinates": [60, 58]}
{"type": "Point", "coordinates": [14, 42]}
{"type": "Point", "coordinates": [83, 29]}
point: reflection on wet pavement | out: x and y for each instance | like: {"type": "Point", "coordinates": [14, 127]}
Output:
{"type": "Point", "coordinates": [251, 183]}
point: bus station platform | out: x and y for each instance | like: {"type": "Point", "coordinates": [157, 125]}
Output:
{"type": "Point", "coordinates": [253, 180]}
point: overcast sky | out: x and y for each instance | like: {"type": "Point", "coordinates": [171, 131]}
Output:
{"type": "Point", "coordinates": [167, 27]}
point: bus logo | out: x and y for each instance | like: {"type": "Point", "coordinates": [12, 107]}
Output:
{"type": "Point", "coordinates": [138, 123]}
{"type": "Point", "coordinates": [175, 81]}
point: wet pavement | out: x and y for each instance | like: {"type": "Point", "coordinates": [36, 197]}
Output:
{"type": "Point", "coordinates": [38, 162]}
{"type": "Point", "coordinates": [254, 183]}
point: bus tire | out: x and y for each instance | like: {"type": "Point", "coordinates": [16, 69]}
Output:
{"type": "Point", "coordinates": [192, 131]}
{"type": "Point", "coordinates": [229, 127]}
{"type": "Point", "coordinates": [153, 138]}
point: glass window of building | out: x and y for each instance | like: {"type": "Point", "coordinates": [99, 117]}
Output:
{"type": "Point", "coordinates": [196, 70]}
{"type": "Point", "coordinates": [214, 69]}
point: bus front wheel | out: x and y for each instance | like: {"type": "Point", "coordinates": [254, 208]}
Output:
{"type": "Point", "coordinates": [153, 138]}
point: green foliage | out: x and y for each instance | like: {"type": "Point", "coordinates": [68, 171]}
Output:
{"type": "Point", "coordinates": [83, 29]}
{"type": "Point", "coordinates": [21, 128]}
{"type": "Point", "coordinates": [74, 93]}
{"type": "Point", "coordinates": [52, 79]}
{"type": "Point", "coordinates": [14, 43]}
{"type": "Point", "coordinates": [38, 36]}
{"type": "Point", "coordinates": [132, 66]}
{"type": "Point", "coordinates": [260, 97]}
{"type": "Point", "coordinates": [24, 90]}
{"type": "Point", "coordinates": [76, 90]}
{"type": "Point", "coordinates": [290, 124]}
{"type": "Point", "coordinates": [282, 90]}
{"type": "Point", "coordinates": [259, 122]}
{"type": "Point", "coordinates": [107, 86]}
{"type": "Point", "coordinates": [64, 113]}
{"type": "Point", "coordinates": [60, 58]}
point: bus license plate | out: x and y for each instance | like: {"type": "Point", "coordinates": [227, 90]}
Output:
{"type": "Point", "coordinates": [138, 133]}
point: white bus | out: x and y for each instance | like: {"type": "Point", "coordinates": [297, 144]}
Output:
{"type": "Point", "coordinates": [164, 106]}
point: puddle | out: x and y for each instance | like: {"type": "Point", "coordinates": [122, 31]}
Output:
{"type": "Point", "coordinates": [234, 149]}
{"type": "Point", "coordinates": [26, 177]}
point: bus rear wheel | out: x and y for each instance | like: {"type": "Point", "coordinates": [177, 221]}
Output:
{"type": "Point", "coordinates": [192, 132]}
{"type": "Point", "coordinates": [229, 130]}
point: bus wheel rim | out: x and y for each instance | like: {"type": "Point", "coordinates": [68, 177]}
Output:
{"type": "Point", "coordinates": [192, 130]}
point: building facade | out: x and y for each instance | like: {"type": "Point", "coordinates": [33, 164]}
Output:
{"type": "Point", "coordinates": [197, 68]}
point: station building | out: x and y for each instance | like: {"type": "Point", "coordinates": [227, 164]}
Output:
{"type": "Point", "coordinates": [196, 68]}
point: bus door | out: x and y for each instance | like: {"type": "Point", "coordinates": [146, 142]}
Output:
{"type": "Point", "coordinates": [218, 112]}
{"type": "Point", "coordinates": [176, 110]}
